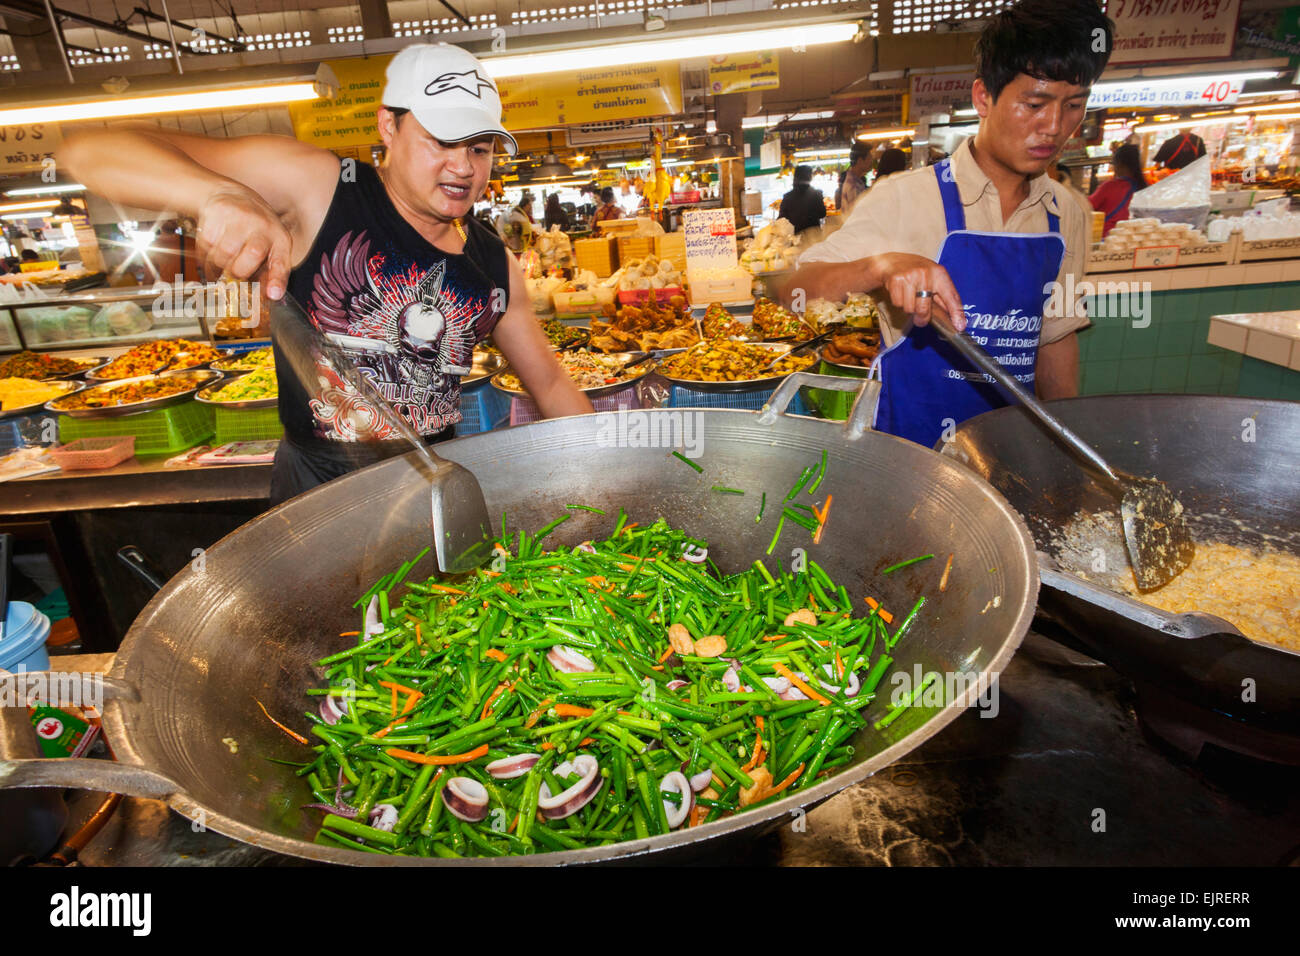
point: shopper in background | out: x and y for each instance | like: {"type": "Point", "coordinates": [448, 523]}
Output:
{"type": "Point", "coordinates": [854, 182]}
{"type": "Point", "coordinates": [608, 209]}
{"type": "Point", "coordinates": [803, 206]}
{"type": "Point", "coordinates": [891, 161]}
{"type": "Point", "coordinates": [1178, 151]}
{"type": "Point", "coordinates": [1113, 196]}
{"type": "Point", "coordinates": [387, 261]}
{"type": "Point", "coordinates": [984, 239]}
{"type": "Point", "coordinates": [555, 214]}
{"type": "Point", "coordinates": [516, 226]}
{"type": "Point", "coordinates": [1062, 175]}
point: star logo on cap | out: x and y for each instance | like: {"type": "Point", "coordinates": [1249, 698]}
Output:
{"type": "Point", "coordinates": [470, 81]}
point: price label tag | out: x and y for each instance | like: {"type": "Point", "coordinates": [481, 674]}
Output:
{"type": "Point", "coordinates": [1155, 257]}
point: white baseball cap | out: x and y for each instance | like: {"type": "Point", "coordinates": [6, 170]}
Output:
{"type": "Point", "coordinates": [449, 92]}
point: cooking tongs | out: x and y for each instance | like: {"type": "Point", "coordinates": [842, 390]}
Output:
{"type": "Point", "coordinates": [1155, 524]}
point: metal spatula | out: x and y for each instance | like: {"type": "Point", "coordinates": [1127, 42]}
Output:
{"type": "Point", "coordinates": [1155, 524]}
{"type": "Point", "coordinates": [462, 528]}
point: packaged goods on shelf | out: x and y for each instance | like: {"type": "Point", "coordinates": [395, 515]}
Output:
{"type": "Point", "coordinates": [649, 273]}
{"type": "Point", "coordinates": [858, 310]}
{"type": "Point", "coordinates": [1138, 233]}
{"type": "Point", "coordinates": [554, 249]}
{"type": "Point", "coordinates": [774, 249]}
{"type": "Point", "coordinates": [541, 292]}
{"type": "Point", "coordinates": [1269, 220]}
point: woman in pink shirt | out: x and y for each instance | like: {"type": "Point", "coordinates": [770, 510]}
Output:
{"type": "Point", "coordinates": [1112, 197]}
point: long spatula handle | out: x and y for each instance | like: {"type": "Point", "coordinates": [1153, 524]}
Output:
{"type": "Point", "coordinates": [991, 367]}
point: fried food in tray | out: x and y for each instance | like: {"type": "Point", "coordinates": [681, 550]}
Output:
{"type": "Point", "coordinates": [718, 323]}
{"type": "Point", "coordinates": [38, 366]}
{"type": "Point", "coordinates": [150, 357]}
{"type": "Point", "coordinates": [724, 361]}
{"type": "Point", "coordinates": [854, 348]}
{"type": "Point", "coordinates": [132, 393]}
{"type": "Point", "coordinates": [645, 327]}
{"type": "Point", "coordinates": [774, 321]}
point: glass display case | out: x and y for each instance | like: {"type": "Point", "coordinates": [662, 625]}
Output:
{"type": "Point", "coordinates": [120, 318]}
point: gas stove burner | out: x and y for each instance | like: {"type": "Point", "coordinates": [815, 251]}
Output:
{"type": "Point", "coordinates": [1188, 729]}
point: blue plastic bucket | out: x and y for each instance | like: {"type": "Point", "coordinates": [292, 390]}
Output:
{"type": "Point", "coordinates": [22, 645]}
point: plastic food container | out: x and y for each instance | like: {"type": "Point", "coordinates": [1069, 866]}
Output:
{"type": "Point", "coordinates": [22, 643]}
{"type": "Point", "coordinates": [91, 453]}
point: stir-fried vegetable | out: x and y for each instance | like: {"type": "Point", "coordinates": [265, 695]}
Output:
{"type": "Point", "coordinates": [37, 365]}
{"type": "Point", "coordinates": [108, 396]}
{"type": "Point", "coordinates": [251, 387]}
{"type": "Point", "coordinates": [578, 697]}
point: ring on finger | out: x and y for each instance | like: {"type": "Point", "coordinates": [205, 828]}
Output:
{"type": "Point", "coordinates": [924, 294]}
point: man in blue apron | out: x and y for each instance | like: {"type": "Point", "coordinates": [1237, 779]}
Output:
{"type": "Point", "coordinates": [985, 237]}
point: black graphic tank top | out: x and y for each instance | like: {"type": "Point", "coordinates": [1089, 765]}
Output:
{"type": "Point", "coordinates": [405, 312]}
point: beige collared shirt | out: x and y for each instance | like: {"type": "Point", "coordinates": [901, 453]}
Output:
{"type": "Point", "coordinates": [904, 213]}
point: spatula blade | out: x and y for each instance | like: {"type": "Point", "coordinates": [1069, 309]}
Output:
{"type": "Point", "coordinates": [1155, 532]}
{"type": "Point", "coordinates": [462, 528]}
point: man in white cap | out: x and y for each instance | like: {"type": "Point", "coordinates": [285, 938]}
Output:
{"type": "Point", "coordinates": [387, 262]}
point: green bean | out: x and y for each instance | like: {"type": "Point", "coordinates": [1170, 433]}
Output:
{"type": "Point", "coordinates": [488, 640]}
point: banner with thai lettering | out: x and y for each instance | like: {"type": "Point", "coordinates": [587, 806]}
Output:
{"type": "Point", "coordinates": [27, 147]}
{"type": "Point", "coordinates": [590, 96]}
{"type": "Point", "coordinates": [1154, 31]}
{"type": "Point", "coordinates": [742, 72]}
{"type": "Point", "coordinates": [931, 93]}
{"type": "Point", "coordinates": [1263, 34]}
{"type": "Point", "coordinates": [348, 120]}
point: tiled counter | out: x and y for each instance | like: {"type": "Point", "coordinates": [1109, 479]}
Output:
{"type": "Point", "coordinates": [1270, 345]}
{"type": "Point", "coordinates": [1173, 353]}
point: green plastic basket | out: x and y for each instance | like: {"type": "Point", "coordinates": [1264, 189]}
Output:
{"type": "Point", "coordinates": [164, 431]}
{"type": "Point", "coordinates": [829, 403]}
{"type": "Point", "coordinates": [248, 424]}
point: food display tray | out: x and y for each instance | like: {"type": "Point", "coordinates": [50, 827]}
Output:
{"type": "Point", "coordinates": [202, 377]}
{"type": "Point", "coordinates": [163, 431]}
{"type": "Point", "coordinates": [20, 410]}
{"type": "Point", "coordinates": [592, 393]}
{"type": "Point", "coordinates": [204, 395]}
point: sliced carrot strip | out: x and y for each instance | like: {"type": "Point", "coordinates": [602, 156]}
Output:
{"type": "Point", "coordinates": [795, 679]}
{"type": "Point", "coordinates": [884, 615]}
{"type": "Point", "coordinates": [296, 736]}
{"type": "Point", "coordinates": [349, 633]}
{"type": "Point", "coordinates": [438, 761]}
{"type": "Point", "coordinates": [572, 710]}
{"type": "Point", "coordinates": [496, 654]}
{"type": "Point", "coordinates": [665, 655]}
{"type": "Point", "coordinates": [794, 775]}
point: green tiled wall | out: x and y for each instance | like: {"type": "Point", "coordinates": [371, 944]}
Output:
{"type": "Point", "coordinates": [1172, 355]}
{"type": "Point", "coordinates": [1266, 380]}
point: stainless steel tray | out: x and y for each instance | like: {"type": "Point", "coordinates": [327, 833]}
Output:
{"type": "Point", "coordinates": [201, 377]}
{"type": "Point", "coordinates": [597, 391]}
{"type": "Point", "coordinates": [486, 364]}
{"type": "Point", "coordinates": [68, 388]}
{"type": "Point", "coordinates": [744, 385]}
{"type": "Point", "coordinates": [204, 394]}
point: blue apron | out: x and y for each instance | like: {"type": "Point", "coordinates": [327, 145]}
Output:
{"type": "Point", "coordinates": [1004, 279]}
